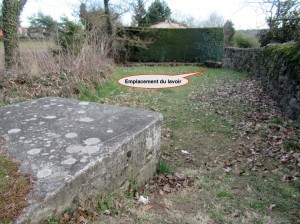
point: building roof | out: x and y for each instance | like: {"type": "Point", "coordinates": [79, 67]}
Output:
{"type": "Point", "coordinates": [167, 24]}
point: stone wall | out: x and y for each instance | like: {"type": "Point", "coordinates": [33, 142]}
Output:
{"type": "Point", "coordinates": [277, 66]}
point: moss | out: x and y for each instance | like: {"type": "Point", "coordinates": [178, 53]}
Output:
{"type": "Point", "coordinates": [288, 53]}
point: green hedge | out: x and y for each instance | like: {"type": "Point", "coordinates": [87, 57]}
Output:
{"type": "Point", "coordinates": [180, 45]}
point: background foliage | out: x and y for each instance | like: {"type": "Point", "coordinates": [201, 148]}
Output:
{"type": "Point", "coordinates": [242, 40]}
{"type": "Point", "coordinates": [157, 12]}
{"type": "Point", "coordinates": [284, 24]}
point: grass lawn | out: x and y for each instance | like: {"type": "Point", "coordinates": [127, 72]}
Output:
{"type": "Point", "coordinates": [213, 119]}
{"type": "Point", "coordinates": [221, 131]}
{"type": "Point", "coordinates": [27, 46]}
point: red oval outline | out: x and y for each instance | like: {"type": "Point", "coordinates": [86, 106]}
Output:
{"type": "Point", "coordinates": [186, 77]}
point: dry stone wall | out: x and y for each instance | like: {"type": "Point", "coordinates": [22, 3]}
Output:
{"type": "Point", "coordinates": [277, 66]}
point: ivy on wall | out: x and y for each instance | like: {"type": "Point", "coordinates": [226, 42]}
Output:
{"type": "Point", "coordinates": [277, 66]}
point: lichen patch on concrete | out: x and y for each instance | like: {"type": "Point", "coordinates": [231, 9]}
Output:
{"type": "Point", "coordinates": [34, 151]}
{"type": "Point", "coordinates": [44, 173]}
{"type": "Point", "coordinates": [74, 149]}
{"type": "Point", "coordinates": [84, 103]}
{"type": "Point", "coordinates": [69, 161]}
{"type": "Point", "coordinates": [13, 131]}
{"type": "Point", "coordinates": [50, 117]}
{"type": "Point", "coordinates": [86, 119]}
{"type": "Point", "coordinates": [92, 141]}
{"type": "Point", "coordinates": [71, 135]}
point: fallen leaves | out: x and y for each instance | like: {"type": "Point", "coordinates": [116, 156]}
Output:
{"type": "Point", "coordinates": [262, 131]}
{"type": "Point", "coordinates": [165, 184]}
{"type": "Point", "coordinates": [145, 208]}
{"type": "Point", "coordinates": [81, 220]}
{"type": "Point", "coordinates": [227, 169]}
{"type": "Point", "coordinates": [14, 188]}
{"type": "Point", "coordinates": [93, 210]}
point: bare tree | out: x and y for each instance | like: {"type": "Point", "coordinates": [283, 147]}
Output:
{"type": "Point", "coordinates": [185, 19]}
{"type": "Point", "coordinates": [213, 20]}
{"type": "Point", "coordinates": [277, 10]}
{"type": "Point", "coordinates": [11, 11]}
{"type": "Point", "coordinates": [283, 19]}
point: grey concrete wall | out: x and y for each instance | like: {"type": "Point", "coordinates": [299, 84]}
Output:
{"type": "Point", "coordinates": [278, 69]}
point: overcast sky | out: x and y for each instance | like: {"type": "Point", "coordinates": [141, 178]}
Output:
{"type": "Point", "coordinates": [241, 14]}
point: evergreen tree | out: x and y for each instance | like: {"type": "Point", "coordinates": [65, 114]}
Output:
{"type": "Point", "coordinates": [139, 12]}
{"type": "Point", "coordinates": [229, 32]}
{"type": "Point", "coordinates": [41, 23]}
{"type": "Point", "coordinates": [157, 12]}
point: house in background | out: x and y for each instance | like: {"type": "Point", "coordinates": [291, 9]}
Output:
{"type": "Point", "coordinates": [167, 24]}
{"type": "Point", "coordinates": [21, 32]}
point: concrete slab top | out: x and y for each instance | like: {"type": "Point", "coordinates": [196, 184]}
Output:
{"type": "Point", "coordinates": [55, 139]}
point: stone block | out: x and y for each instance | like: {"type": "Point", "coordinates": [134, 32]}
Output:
{"type": "Point", "coordinates": [78, 149]}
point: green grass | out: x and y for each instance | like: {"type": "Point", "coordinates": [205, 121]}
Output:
{"type": "Point", "coordinates": [103, 90]}
{"type": "Point", "coordinates": [27, 46]}
{"type": "Point", "coordinates": [206, 126]}
{"type": "Point", "coordinates": [104, 202]}
{"type": "Point", "coordinates": [206, 134]}
{"type": "Point", "coordinates": [164, 168]}
{"type": "Point", "coordinates": [224, 194]}
{"type": "Point", "coordinates": [292, 145]}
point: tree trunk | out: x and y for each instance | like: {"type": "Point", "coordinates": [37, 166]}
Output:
{"type": "Point", "coordinates": [108, 22]}
{"type": "Point", "coordinates": [11, 10]}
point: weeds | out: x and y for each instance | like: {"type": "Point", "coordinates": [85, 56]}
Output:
{"type": "Point", "coordinates": [46, 74]}
{"type": "Point", "coordinates": [224, 194]}
{"type": "Point", "coordinates": [133, 188]}
{"type": "Point", "coordinates": [14, 188]}
{"type": "Point", "coordinates": [104, 202]}
{"type": "Point", "coordinates": [277, 120]}
{"type": "Point", "coordinates": [164, 168]}
{"type": "Point", "coordinates": [292, 145]}
{"type": "Point", "coordinates": [53, 220]}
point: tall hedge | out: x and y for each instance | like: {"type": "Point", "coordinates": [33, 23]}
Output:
{"type": "Point", "coordinates": [180, 45]}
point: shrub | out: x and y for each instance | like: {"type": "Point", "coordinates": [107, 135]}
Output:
{"type": "Point", "coordinates": [46, 74]}
{"type": "Point", "coordinates": [70, 37]}
{"type": "Point", "coordinates": [244, 41]}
